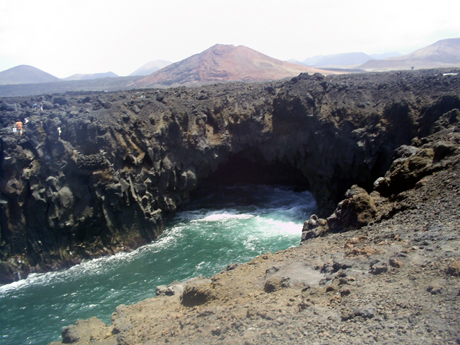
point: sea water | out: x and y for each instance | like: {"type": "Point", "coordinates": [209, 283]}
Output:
{"type": "Point", "coordinates": [228, 225]}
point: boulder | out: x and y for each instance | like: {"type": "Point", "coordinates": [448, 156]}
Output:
{"type": "Point", "coordinates": [175, 288]}
{"type": "Point", "coordinates": [59, 100]}
{"type": "Point", "coordinates": [435, 288]}
{"type": "Point", "coordinates": [276, 283]}
{"type": "Point", "coordinates": [85, 331]}
{"type": "Point", "coordinates": [66, 197]}
{"type": "Point", "coordinates": [454, 268]}
{"type": "Point", "coordinates": [70, 335]}
{"type": "Point", "coordinates": [314, 227]}
{"type": "Point", "coordinates": [357, 210]}
{"type": "Point", "coordinates": [378, 267]}
{"type": "Point", "coordinates": [198, 291]}
{"type": "Point", "coordinates": [47, 105]}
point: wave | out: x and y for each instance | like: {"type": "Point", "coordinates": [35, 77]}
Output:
{"type": "Point", "coordinates": [219, 217]}
{"type": "Point", "coordinates": [94, 267]}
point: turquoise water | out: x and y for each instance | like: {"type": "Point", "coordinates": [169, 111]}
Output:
{"type": "Point", "coordinates": [231, 224]}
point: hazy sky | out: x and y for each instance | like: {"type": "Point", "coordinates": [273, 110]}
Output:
{"type": "Point", "coordinates": [64, 37]}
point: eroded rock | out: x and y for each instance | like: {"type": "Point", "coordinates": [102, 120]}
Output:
{"type": "Point", "coordinates": [197, 292]}
{"type": "Point", "coordinates": [357, 210]}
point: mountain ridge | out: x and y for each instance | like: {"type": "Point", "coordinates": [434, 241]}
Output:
{"type": "Point", "coordinates": [25, 74]}
{"type": "Point", "coordinates": [443, 53]}
{"type": "Point", "coordinates": [92, 76]}
{"type": "Point", "coordinates": [150, 67]}
{"type": "Point", "coordinates": [222, 63]}
{"type": "Point", "coordinates": [354, 58]}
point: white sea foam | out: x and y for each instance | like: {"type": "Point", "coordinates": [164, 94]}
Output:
{"type": "Point", "coordinates": [218, 217]}
{"type": "Point", "coordinates": [94, 267]}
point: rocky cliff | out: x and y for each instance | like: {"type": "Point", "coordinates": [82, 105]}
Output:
{"type": "Point", "coordinates": [97, 173]}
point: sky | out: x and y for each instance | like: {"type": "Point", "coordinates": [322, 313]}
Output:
{"type": "Point", "coordinates": [65, 37]}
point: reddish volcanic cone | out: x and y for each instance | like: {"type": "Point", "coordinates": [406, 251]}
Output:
{"type": "Point", "coordinates": [222, 63]}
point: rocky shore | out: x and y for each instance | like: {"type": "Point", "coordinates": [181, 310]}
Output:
{"type": "Point", "coordinates": [97, 173]}
{"type": "Point", "coordinates": [384, 268]}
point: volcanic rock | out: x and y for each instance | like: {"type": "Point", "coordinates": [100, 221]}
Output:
{"type": "Point", "coordinates": [100, 173]}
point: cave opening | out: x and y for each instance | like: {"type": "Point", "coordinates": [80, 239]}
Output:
{"type": "Point", "coordinates": [250, 167]}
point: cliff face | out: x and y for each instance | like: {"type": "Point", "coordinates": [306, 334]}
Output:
{"type": "Point", "coordinates": [96, 173]}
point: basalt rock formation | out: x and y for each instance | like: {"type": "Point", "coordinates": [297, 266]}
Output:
{"type": "Point", "coordinates": [97, 173]}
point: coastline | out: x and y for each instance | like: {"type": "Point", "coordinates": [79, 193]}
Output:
{"type": "Point", "coordinates": [393, 280]}
{"type": "Point", "coordinates": [99, 173]}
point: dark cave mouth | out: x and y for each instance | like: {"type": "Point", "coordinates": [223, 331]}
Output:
{"type": "Point", "coordinates": [254, 169]}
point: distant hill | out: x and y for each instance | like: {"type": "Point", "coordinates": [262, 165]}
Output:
{"type": "Point", "coordinates": [385, 55]}
{"type": "Point", "coordinates": [25, 74]}
{"type": "Point", "coordinates": [91, 76]}
{"type": "Point", "coordinates": [61, 86]}
{"type": "Point", "coordinates": [222, 63]}
{"type": "Point", "coordinates": [151, 67]}
{"type": "Point", "coordinates": [443, 53]}
{"type": "Point", "coordinates": [295, 61]}
{"type": "Point", "coordinates": [337, 60]}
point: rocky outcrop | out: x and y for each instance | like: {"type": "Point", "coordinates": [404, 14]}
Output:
{"type": "Point", "coordinates": [97, 173]}
{"type": "Point", "coordinates": [411, 167]}
{"type": "Point", "coordinates": [357, 210]}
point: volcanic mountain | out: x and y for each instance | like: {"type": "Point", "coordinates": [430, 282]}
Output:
{"type": "Point", "coordinates": [91, 76]}
{"type": "Point", "coordinates": [25, 74]}
{"type": "Point", "coordinates": [338, 59]}
{"type": "Point", "coordinates": [222, 63]}
{"type": "Point", "coordinates": [443, 53]}
{"type": "Point", "coordinates": [151, 67]}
